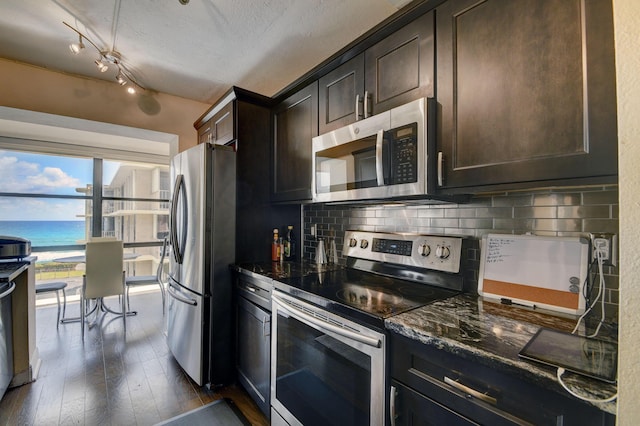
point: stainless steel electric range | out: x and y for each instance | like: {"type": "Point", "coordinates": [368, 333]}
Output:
{"type": "Point", "coordinates": [328, 355]}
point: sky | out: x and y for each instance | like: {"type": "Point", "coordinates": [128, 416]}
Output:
{"type": "Point", "coordinates": [45, 174]}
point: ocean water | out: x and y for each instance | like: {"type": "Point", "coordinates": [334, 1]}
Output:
{"type": "Point", "coordinates": [45, 233]}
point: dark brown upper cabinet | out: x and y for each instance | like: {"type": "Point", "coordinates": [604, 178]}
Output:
{"type": "Point", "coordinates": [295, 124]}
{"type": "Point", "coordinates": [394, 71]}
{"type": "Point", "coordinates": [526, 93]}
{"type": "Point", "coordinates": [219, 129]}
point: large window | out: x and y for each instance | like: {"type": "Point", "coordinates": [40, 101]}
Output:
{"type": "Point", "coordinates": [50, 200]}
{"type": "Point", "coordinates": [36, 189]}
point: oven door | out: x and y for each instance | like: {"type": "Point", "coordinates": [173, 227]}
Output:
{"type": "Point", "coordinates": [325, 370]}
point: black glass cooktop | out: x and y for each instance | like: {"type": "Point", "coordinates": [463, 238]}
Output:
{"type": "Point", "coordinates": [361, 296]}
{"type": "Point", "coordinates": [282, 270]}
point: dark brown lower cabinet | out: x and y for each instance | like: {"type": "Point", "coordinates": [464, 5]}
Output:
{"type": "Point", "coordinates": [430, 386]}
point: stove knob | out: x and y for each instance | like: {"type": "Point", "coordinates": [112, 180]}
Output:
{"type": "Point", "coordinates": [353, 242]}
{"type": "Point", "coordinates": [442, 252]}
{"type": "Point", "coordinates": [424, 250]}
{"type": "Point", "coordinates": [364, 244]}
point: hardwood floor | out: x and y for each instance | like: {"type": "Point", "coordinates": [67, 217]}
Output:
{"type": "Point", "coordinates": [110, 379]}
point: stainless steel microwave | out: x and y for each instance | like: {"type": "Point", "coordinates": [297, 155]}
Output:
{"type": "Point", "coordinates": [383, 156]}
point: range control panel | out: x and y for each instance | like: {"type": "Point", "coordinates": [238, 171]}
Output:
{"type": "Point", "coordinates": [440, 253]}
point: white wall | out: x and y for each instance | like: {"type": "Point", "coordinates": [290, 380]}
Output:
{"type": "Point", "coordinates": [627, 35]}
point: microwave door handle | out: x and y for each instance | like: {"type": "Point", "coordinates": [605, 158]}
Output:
{"type": "Point", "coordinates": [440, 168]}
{"type": "Point", "coordinates": [367, 98]}
{"type": "Point", "coordinates": [379, 165]}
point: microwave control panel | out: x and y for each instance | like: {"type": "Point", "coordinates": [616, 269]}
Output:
{"type": "Point", "coordinates": [404, 154]}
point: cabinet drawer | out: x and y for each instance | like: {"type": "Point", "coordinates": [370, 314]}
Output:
{"type": "Point", "coordinates": [511, 400]}
{"type": "Point", "coordinates": [411, 408]}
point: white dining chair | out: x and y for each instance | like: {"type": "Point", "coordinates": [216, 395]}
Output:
{"type": "Point", "coordinates": [138, 280]}
{"type": "Point", "coordinates": [104, 276]}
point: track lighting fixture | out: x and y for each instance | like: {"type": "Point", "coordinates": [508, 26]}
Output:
{"type": "Point", "coordinates": [106, 59]}
{"type": "Point", "coordinates": [77, 47]}
{"type": "Point", "coordinates": [102, 67]}
{"type": "Point", "coordinates": [120, 78]}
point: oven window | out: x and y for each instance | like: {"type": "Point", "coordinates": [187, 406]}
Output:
{"type": "Point", "coordinates": [319, 379]}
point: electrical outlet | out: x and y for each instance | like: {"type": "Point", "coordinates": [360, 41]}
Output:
{"type": "Point", "coordinates": [607, 245]}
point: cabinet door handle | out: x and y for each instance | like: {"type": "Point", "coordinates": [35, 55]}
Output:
{"type": "Point", "coordinates": [367, 97]}
{"type": "Point", "coordinates": [440, 168]}
{"type": "Point", "coordinates": [358, 112]}
{"type": "Point", "coordinates": [469, 391]}
{"type": "Point", "coordinates": [392, 405]}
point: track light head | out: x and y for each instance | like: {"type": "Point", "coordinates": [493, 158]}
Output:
{"type": "Point", "coordinates": [120, 78]}
{"type": "Point", "coordinates": [102, 67]}
{"type": "Point", "coordinates": [77, 47]}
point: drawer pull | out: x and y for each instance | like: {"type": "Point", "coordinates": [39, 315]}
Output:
{"type": "Point", "coordinates": [466, 389]}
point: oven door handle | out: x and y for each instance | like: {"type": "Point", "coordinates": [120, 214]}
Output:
{"type": "Point", "coordinates": [371, 341]}
{"type": "Point", "coordinates": [12, 287]}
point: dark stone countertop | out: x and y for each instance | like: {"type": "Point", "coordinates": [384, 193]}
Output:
{"type": "Point", "coordinates": [9, 270]}
{"type": "Point", "coordinates": [492, 334]}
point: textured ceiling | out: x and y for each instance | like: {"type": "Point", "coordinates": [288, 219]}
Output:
{"type": "Point", "coordinates": [196, 51]}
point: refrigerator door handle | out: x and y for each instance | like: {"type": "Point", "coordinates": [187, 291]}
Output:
{"type": "Point", "coordinates": [173, 293]}
{"type": "Point", "coordinates": [178, 246]}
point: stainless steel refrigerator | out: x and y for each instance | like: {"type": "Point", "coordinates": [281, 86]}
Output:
{"type": "Point", "coordinates": [202, 235]}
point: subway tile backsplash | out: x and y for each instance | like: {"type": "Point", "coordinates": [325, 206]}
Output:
{"type": "Point", "coordinates": [555, 212]}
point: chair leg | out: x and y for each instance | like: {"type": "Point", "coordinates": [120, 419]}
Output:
{"type": "Point", "coordinates": [64, 304]}
{"type": "Point", "coordinates": [124, 317]}
{"type": "Point", "coordinates": [162, 293]}
{"type": "Point", "coordinates": [82, 310]}
{"type": "Point", "coordinates": [124, 311]}
{"type": "Point", "coordinates": [58, 299]}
